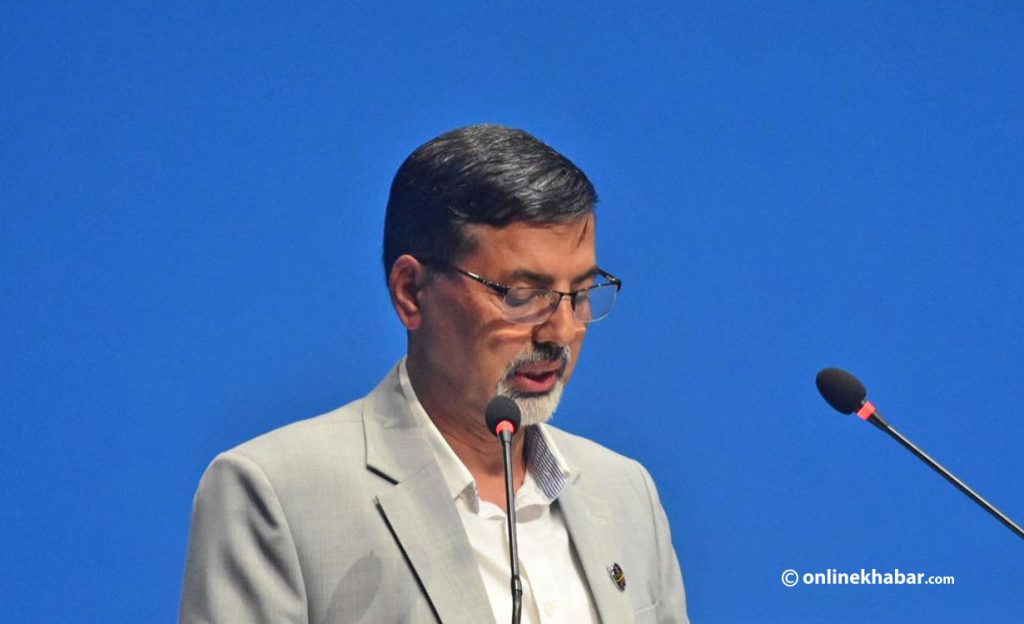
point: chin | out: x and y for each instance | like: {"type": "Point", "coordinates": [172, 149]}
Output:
{"type": "Point", "coordinates": [535, 408]}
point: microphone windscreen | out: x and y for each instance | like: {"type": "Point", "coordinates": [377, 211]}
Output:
{"type": "Point", "coordinates": [502, 408]}
{"type": "Point", "coordinates": [841, 389]}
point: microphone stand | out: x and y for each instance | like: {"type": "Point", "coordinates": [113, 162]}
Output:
{"type": "Point", "coordinates": [876, 419]}
{"type": "Point", "coordinates": [505, 435]}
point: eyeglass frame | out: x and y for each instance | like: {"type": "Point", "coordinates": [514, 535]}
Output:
{"type": "Point", "coordinates": [503, 290]}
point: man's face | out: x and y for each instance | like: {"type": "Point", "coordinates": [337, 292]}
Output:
{"type": "Point", "coordinates": [470, 346]}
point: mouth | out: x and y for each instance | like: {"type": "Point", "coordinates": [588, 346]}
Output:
{"type": "Point", "coordinates": [537, 377]}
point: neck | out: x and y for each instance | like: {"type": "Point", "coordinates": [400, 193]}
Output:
{"type": "Point", "coordinates": [463, 427]}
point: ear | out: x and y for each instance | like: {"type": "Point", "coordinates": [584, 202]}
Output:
{"type": "Point", "coordinates": [405, 282]}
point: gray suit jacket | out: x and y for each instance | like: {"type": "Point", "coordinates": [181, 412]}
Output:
{"type": "Point", "coordinates": [346, 518]}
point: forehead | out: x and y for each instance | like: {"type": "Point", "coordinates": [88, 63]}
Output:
{"type": "Point", "coordinates": [544, 248]}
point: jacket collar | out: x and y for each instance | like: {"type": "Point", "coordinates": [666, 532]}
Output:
{"type": "Point", "coordinates": [418, 511]}
{"type": "Point", "coordinates": [420, 514]}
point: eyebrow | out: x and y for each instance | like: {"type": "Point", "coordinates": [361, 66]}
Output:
{"type": "Point", "coordinates": [547, 280]}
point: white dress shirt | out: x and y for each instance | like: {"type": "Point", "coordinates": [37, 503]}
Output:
{"type": "Point", "coordinates": [554, 590]}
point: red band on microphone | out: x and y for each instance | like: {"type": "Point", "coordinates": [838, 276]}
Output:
{"type": "Point", "coordinates": [866, 411]}
{"type": "Point", "coordinates": [505, 425]}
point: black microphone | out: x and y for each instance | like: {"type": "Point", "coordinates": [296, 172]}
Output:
{"type": "Point", "coordinates": [847, 395]}
{"type": "Point", "coordinates": [503, 420]}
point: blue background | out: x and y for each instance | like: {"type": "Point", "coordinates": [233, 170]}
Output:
{"type": "Point", "coordinates": [192, 206]}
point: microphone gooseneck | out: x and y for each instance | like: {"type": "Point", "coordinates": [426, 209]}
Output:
{"type": "Point", "coordinates": [847, 395]}
{"type": "Point", "coordinates": [503, 419]}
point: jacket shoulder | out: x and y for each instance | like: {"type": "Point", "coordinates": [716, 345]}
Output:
{"type": "Point", "coordinates": [330, 437]}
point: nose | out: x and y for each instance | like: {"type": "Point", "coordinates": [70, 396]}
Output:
{"type": "Point", "coordinates": [561, 327]}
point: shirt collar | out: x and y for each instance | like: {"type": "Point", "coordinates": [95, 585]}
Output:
{"type": "Point", "coordinates": [544, 463]}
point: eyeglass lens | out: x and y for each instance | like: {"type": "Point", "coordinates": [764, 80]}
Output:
{"type": "Point", "coordinates": [590, 305]}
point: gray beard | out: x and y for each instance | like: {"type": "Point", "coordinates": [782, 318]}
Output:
{"type": "Point", "coordinates": [534, 408]}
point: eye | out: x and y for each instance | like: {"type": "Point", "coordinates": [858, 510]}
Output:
{"type": "Point", "coordinates": [520, 297]}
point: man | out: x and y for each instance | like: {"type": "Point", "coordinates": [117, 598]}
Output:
{"type": "Point", "coordinates": [392, 508]}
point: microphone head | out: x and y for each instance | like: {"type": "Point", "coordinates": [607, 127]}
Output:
{"type": "Point", "coordinates": [841, 389]}
{"type": "Point", "coordinates": [502, 409]}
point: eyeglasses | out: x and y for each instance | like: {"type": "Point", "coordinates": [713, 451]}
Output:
{"type": "Point", "coordinates": [534, 306]}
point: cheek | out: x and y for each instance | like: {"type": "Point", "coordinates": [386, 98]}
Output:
{"type": "Point", "coordinates": [504, 342]}
{"type": "Point", "coordinates": [484, 341]}
{"type": "Point", "coordinates": [448, 330]}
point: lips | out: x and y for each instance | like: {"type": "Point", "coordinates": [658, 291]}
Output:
{"type": "Point", "coordinates": [539, 368]}
{"type": "Point", "coordinates": [536, 377]}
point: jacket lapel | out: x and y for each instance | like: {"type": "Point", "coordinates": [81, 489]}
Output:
{"type": "Point", "coordinates": [419, 510]}
{"type": "Point", "coordinates": [588, 519]}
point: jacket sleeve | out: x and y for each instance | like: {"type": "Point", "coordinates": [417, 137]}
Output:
{"type": "Point", "coordinates": [672, 595]}
{"type": "Point", "coordinates": [242, 563]}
